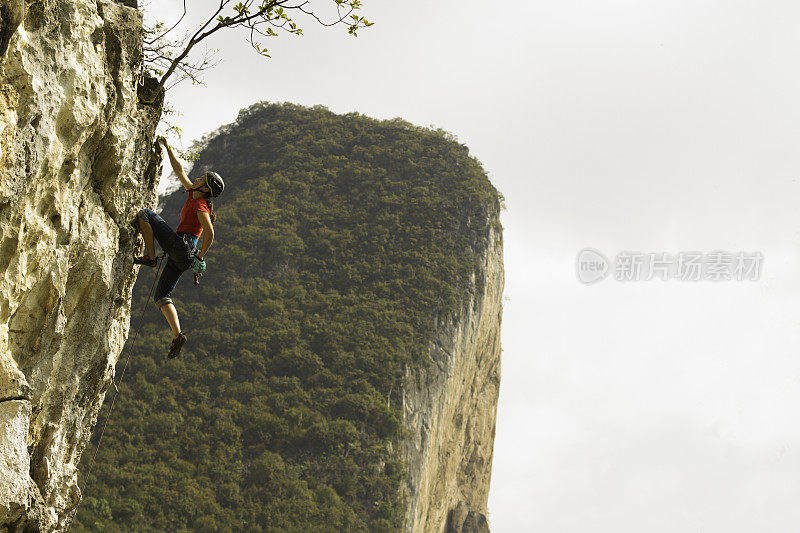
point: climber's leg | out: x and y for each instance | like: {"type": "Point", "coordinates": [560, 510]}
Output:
{"type": "Point", "coordinates": [153, 226]}
{"type": "Point", "coordinates": [171, 314]}
{"type": "Point", "coordinates": [166, 283]}
{"type": "Point", "coordinates": [178, 337]}
{"type": "Point", "coordinates": [147, 234]}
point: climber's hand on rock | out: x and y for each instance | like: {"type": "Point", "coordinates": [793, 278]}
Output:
{"type": "Point", "coordinates": [162, 141]}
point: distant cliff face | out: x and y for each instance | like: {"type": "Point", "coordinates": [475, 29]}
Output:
{"type": "Point", "coordinates": [75, 166]}
{"type": "Point", "coordinates": [449, 409]}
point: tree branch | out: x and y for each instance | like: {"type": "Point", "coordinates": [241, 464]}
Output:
{"type": "Point", "coordinates": [158, 37]}
{"type": "Point", "coordinates": [270, 12]}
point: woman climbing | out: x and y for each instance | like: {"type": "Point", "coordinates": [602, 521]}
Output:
{"type": "Point", "coordinates": [180, 245]}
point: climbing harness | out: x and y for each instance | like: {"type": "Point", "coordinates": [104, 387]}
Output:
{"type": "Point", "coordinates": [116, 384]}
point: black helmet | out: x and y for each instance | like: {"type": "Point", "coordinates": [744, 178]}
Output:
{"type": "Point", "coordinates": [215, 183]}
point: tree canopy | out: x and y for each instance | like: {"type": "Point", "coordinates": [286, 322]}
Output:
{"type": "Point", "coordinates": [339, 241]}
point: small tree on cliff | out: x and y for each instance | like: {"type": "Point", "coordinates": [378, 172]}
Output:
{"type": "Point", "coordinates": [164, 57]}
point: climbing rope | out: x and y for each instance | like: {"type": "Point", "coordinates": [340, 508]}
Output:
{"type": "Point", "coordinates": [117, 384]}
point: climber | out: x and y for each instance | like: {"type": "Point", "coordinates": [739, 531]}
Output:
{"type": "Point", "coordinates": [180, 246]}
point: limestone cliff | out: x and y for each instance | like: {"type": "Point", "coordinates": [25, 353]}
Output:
{"type": "Point", "coordinates": [449, 408]}
{"type": "Point", "coordinates": [75, 164]}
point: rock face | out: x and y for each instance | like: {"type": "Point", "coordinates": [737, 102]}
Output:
{"type": "Point", "coordinates": [76, 164]}
{"type": "Point", "coordinates": [449, 409]}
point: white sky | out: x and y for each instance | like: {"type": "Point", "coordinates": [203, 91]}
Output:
{"type": "Point", "coordinates": [619, 125]}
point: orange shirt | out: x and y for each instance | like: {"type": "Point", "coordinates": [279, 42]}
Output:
{"type": "Point", "coordinates": [189, 221]}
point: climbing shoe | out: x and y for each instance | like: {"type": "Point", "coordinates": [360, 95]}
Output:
{"type": "Point", "coordinates": [177, 344]}
{"type": "Point", "coordinates": [145, 260]}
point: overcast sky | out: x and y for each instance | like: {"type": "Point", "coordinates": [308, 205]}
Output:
{"type": "Point", "coordinates": [662, 127]}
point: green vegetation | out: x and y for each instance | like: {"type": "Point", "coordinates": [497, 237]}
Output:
{"type": "Point", "coordinates": [339, 240]}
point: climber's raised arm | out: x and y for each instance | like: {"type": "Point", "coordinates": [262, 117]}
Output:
{"type": "Point", "coordinates": [176, 165]}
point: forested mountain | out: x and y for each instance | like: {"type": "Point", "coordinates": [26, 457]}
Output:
{"type": "Point", "coordinates": [340, 242]}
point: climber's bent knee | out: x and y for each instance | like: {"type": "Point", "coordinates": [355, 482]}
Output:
{"type": "Point", "coordinates": [144, 214]}
{"type": "Point", "coordinates": [163, 301]}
